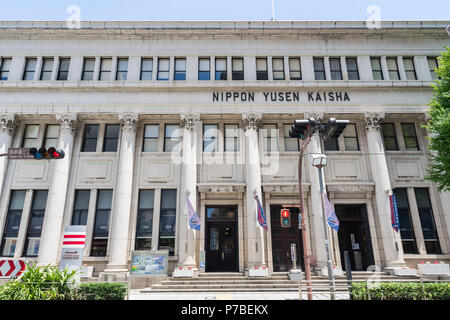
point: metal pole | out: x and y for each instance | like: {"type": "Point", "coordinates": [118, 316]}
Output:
{"type": "Point", "coordinates": [329, 262]}
{"type": "Point", "coordinates": [348, 272]}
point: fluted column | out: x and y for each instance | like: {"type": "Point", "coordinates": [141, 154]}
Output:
{"type": "Point", "coordinates": [392, 244]}
{"type": "Point", "coordinates": [54, 212]}
{"type": "Point", "coordinates": [7, 128]}
{"type": "Point", "coordinates": [120, 218]}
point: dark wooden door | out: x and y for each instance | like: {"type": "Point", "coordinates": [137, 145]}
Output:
{"type": "Point", "coordinates": [221, 247]}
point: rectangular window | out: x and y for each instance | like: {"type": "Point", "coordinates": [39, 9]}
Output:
{"type": "Point", "coordinates": [30, 136]}
{"type": "Point", "coordinates": [81, 207]}
{"type": "Point", "coordinates": [335, 68]}
{"type": "Point", "coordinates": [405, 221]}
{"type": "Point", "coordinates": [122, 69]}
{"type": "Point", "coordinates": [180, 69]}
{"type": "Point", "coordinates": [90, 138]}
{"type": "Point", "coordinates": [231, 137]}
{"type": "Point", "coordinates": [111, 137]}
{"type": "Point", "coordinates": [88, 69]}
{"type": "Point", "coordinates": [105, 69]}
{"type": "Point", "coordinates": [430, 234]}
{"type": "Point", "coordinates": [63, 72]}
{"type": "Point", "coordinates": [377, 72]}
{"type": "Point", "coordinates": [409, 136]}
{"type": "Point", "coordinates": [319, 69]}
{"type": "Point", "coordinates": [210, 135]}
{"type": "Point", "coordinates": [5, 66]}
{"type": "Point", "coordinates": [270, 137]}
{"type": "Point", "coordinates": [331, 144]}
{"type": "Point", "coordinates": [352, 68]}
{"type": "Point", "coordinates": [151, 134]}
{"type": "Point", "coordinates": [393, 69]}
{"type": "Point", "coordinates": [290, 144]}
{"type": "Point", "coordinates": [221, 69]}
{"type": "Point", "coordinates": [171, 137]}
{"type": "Point", "coordinates": [12, 225]}
{"type": "Point", "coordinates": [101, 223]}
{"type": "Point", "coordinates": [389, 137]}
{"type": "Point", "coordinates": [351, 137]}
{"type": "Point", "coordinates": [51, 136]}
{"type": "Point", "coordinates": [30, 68]}
{"type": "Point", "coordinates": [146, 69]}
{"type": "Point", "coordinates": [167, 220]}
{"type": "Point", "coordinates": [410, 69]}
{"type": "Point", "coordinates": [295, 71]}
{"type": "Point", "coordinates": [433, 65]}
{"type": "Point", "coordinates": [31, 248]}
{"type": "Point", "coordinates": [163, 69]}
{"type": "Point", "coordinates": [261, 69]}
{"type": "Point", "coordinates": [144, 223]}
{"type": "Point", "coordinates": [47, 67]}
{"type": "Point", "coordinates": [237, 69]}
{"type": "Point", "coordinates": [278, 68]}
{"type": "Point", "coordinates": [203, 69]}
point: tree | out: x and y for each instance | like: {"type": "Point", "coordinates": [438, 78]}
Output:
{"type": "Point", "coordinates": [439, 126]}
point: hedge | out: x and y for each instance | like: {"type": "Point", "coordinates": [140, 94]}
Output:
{"type": "Point", "coordinates": [102, 291]}
{"type": "Point", "coordinates": [401, 291]}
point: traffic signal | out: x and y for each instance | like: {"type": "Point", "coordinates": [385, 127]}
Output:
{"type": "Point", "coordinates": [43, 153]}
{"type": "Point", "coordinates": [285, 216]}
{"type": "Point", "coordinates": [333, 129]}
{"type": "Point", "coordinates": [303, 129]}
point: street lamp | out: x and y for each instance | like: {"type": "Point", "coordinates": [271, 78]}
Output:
{"type": "Point", "coordinates": [320, 161]}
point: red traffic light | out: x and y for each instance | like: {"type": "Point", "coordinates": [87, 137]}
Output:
{"type": "Point", "coordinates": [285, 213]}
{"type": "Point", "coordinates": [43, 153]}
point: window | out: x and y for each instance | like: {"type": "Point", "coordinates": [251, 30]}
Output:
{"type": "Point", "coordinates": [319, 69]}
{"type": "Point", "coordinates": [163, 69]}
{"type": "Point", "coordinates": [180, 69]}
{"type": "Point", "coordinates": [81, 207]}
{"type": "Point", "coordinates": [404, 217]}
{"type": "Point", "coordinates": [51, 136]}
{"type": "Point", "coordinates": [430, 235]}
{"type": "Point", "coordinates": [231, 137]}
{"type": "Point", "coordinates": [278, 68]}
{"type": "Point", "coordinates": [88, 69]}
{"type": "Point", "coordinates": [331, 144]}
{"type": "Point", "coordinates": [47, 67]}
{"type": "Point", "coordinates": [210, 140]}
{"type": "Point", "coordinates": [352, 68]}
{"type": "Point", "coordinates": [167, 220]}
{"type": "Point", "coordinates": [30, 67]}
{"type": "Point", "coordinates": [144, 222]}
{"type": "Point", "coordinates": [105, 69]}
{"type": "Point", "coordinates": [261, 69]}
{"type": "Point", "coordinates": [11, 229]}
{"type": "Point", "coordinates": [295, 71]}
{"type": "Point", "coordinates": [203, 69]}
{"type": "Point", "coordinates": [237, 69]}
{"type": "Point", "coordinates": [111, 137]}
{"type": "Point", "coordinates": [101, 223]}
{"type": "Point", "coordinates": [351, 137]}
{"type": "Point", "coordinates": [90, 138]}
{"type": "Point", "coordinates": [122, 69]}
{"type": "Point", "coordinates": [410, 70]}
{"type": "Point", "coordinates": [409, 136]}
{"type": "Point", "coordinates": [151, 133]}
{"type": "Point", "coordinates": [335, 69]}
{"type": "Point", "coordinates": [5, 66]}
{"type": "Point", "coordinates": [389, 138]}
{"type": "Point", "coordinates": [377, 72]}
{"type": "Point", "coordinates": [221, 69]}
{"type": "Point", "coordinates": [171, 137]}
{"type": "Point", "coordinates": [147, 69]}
{"type": "Point", "coordinates": [290, 144]}
{"type": "Point", "coordinates": [433, 65]}
{"type": "Point", "coordinates": [270, 137]}
{"type": "Point", "coordinates": [32, 241]}
{"type": "Point", "coordinates": [393, 69]}
{"type": "Point", "coordinates": [63, 71]}
{"type": "Point", "coordinates": [30, 136]}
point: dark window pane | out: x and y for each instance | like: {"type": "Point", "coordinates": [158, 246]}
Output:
{"type": "Point", "coordinates": [409, 135]}
{"type": "Point", "coordinates": [101, 223]}
{"type": "Point", "coordinates": [90, 138]}
{"type": "Point", "coordinates": [111, 137]}
{"type": "Point", "coordinates": [427, 221]}
{"type": "Point", "coordinates": [81, 207]}
{"type": "Point", "coordinates": [389, 138]}
{"type": "Point", "coordinates": [405, 221]}
{"type": "Point", "coordinates": [32, 241]}
{"type": "Point", "coordinates": [331, 144]}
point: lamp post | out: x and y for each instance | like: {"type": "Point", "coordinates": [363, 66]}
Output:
{"type": "Point", "coordinates": [320, 161]}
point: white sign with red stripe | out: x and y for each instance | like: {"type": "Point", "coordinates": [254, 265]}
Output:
{"type": "Point", "coordinates": [11, 268]}
{"type": "Point", "coordinates": [72, 247]}
{"type": "Point", "coordinates": [73, 239]}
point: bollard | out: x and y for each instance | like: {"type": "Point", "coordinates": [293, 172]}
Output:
{"type": "Point", "coordinates": [348, 271]}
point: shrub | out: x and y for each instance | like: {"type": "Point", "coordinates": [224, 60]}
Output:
{"type": "Point", "coordinates": [401, 291]}
{"type": "Point", "coordinates": [102, 291]}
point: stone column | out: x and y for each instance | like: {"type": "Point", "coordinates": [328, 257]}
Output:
{"type": "Point", "coordinates": [7, 128]}
{"type": "Point", "coordinates": [54, 212]}
{"type": "Point", "coordinates": [120, 218]}
{"type": "Point", "coordinates": [253, 180]}
{"type": "Point", "coordinates": [391, 240]}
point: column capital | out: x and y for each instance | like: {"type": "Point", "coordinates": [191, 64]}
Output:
{"type": "Point", "coordinates": [251, 120]}
{"type": "Point", "coordinates": [373, 119]}
{"type": "Point", "coordinates": [67, 121]}
{"type": "Point", "coordinates": [424, 118]}
{"type": "Point", "coordinates": [129, 121]}
{"type": "Point", "coordinates": [313, 114]}
{"type": "Point", "coordinates": [7, 123]}
{"type": "Point", "coordinates": [189, 120]}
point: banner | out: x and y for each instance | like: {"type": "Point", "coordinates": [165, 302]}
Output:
{"type": "Point", "coordinates": [330, 214]}
{"type": "Point", "coordinates": [394, 212]}
{"type": "Point", "coordinates": [261, 215]}
{"type": "Point", "coordinates": [194, 220]}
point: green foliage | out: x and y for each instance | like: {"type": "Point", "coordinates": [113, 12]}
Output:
{"type": "Point", "coordinates": [439, 126]}
{"type": "Point", "coordinates": [401, 291]}
{"type": "Point", "coordinates": [102, 291]}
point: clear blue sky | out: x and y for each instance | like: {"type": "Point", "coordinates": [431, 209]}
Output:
{"type": "Point", "coordinates": [224, 9]}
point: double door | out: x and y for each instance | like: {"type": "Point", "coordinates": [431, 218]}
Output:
{"type": "Point", "coordinates": [221, 250]}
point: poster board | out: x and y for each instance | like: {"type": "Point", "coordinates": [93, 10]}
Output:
{"type": "Point", "coordinates": [147, 263]}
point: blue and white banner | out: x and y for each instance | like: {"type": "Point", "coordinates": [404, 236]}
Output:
{"type": "Point", "coordinates": [394, 212]}
{"type": "Point", "coordinates": [330, 214]}
{"type": "Point", "coordinates": [194, 220]}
